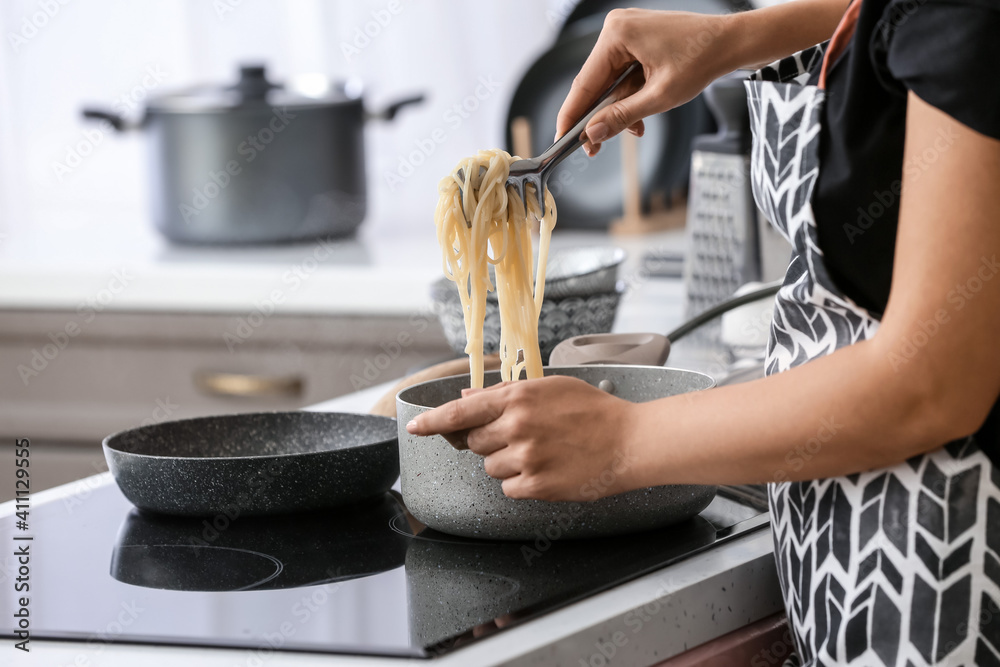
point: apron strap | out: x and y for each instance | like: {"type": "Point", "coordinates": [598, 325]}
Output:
{"type": "Point", "coordinates": [841, 38]}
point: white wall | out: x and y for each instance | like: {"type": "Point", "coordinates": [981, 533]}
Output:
{"type": "Point", "coordinates": [58, 54]}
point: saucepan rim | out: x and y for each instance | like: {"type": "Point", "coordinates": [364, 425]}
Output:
{"type": "Point", "coordinates": [402, 400]}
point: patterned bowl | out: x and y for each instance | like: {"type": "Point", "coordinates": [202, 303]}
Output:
{"type": "Point", "coordinates": [561, 318]}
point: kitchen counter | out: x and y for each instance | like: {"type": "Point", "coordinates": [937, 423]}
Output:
{"type": "Point", "coordinates": [642, 622]}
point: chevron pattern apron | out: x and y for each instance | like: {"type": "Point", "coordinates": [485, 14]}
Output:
{"type": "Point", "coordinates": [898, 566]}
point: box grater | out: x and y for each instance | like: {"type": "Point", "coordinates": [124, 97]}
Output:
{"type": "Point", "coordinates": [724, 242]}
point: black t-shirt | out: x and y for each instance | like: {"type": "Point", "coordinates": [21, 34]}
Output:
{"type": "Point", "coordinates": [948, 53]}
{"type": "Point", "coordinates": [945, 51]}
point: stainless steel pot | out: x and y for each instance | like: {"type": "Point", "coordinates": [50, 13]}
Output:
{"type": "Point", "coordinates": [256, 162]}
{"type": "Point", "coordinates": [448, 489]}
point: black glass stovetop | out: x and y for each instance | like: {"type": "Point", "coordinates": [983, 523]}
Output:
{"type": "Point", "coordinates": [365, 579]}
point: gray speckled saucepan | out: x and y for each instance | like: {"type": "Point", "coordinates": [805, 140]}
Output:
{"type": "Point", "coordinates": [448, 489]}
{"type": "Point", "coordinates": [254, 464]}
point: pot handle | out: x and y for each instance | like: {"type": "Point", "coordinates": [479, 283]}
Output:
{"type": "Point", "coordinates": [118, 122]}
{"type": "Point", "coordinates": [390, 111]}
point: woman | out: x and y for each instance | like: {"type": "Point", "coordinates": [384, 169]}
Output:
{"type": "Point", "coordinates": [878, 156]}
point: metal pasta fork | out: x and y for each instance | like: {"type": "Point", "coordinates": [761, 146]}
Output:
{"type": "Point", "coordinates": [536, 170]}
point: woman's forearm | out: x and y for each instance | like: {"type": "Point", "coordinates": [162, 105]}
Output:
{"type": "Point", "coordinates": [836, 415]}
{"type": "Point", "coordinates": [761, 36]}
{"type": "Point", "coordinates": [929, 375]}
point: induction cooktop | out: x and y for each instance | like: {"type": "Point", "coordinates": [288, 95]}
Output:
{"type": "Point", "coordinates": [365, 579]}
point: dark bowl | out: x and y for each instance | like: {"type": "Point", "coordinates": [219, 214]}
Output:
{"type": "Point", "coordinates": [254, 464]}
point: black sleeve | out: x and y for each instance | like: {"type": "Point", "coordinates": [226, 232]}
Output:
{"type": "Point", "coordinates": [948, 53]}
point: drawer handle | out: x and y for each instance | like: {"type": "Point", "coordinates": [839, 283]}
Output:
{"type": "Point", "coordinates": [249, 386]}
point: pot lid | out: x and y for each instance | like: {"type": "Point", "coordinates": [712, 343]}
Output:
{"type": "Point", "coordinates": [254, 90]}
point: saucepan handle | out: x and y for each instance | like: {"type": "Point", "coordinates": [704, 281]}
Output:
{"type": "Point", "coordinates": [117, 121]}
{"type": "Point", "coordinates": [390, 111]}
{"type": "Point", "coordinates": [640, 349]}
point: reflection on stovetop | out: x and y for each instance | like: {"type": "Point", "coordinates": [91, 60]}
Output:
{"type": "Point", "coordinates": [451, 591]}
{"type": "Point", "coordinates": [258, 553]}
{"type": "Point", "coordinates": [460, 589]}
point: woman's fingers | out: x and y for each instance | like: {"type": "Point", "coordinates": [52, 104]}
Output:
{"type": "Point", "coordinates": [523, 487]}
{"type": "Point", "coordinates": [469, 391]}
{"type": "Point", "coordinates": [672, 71]}
{"type": "Point", "coordinates": [461, 414]}
{"type": "Point", "coordinates": [457, 439]}
{"type": "Point", "coordinates": [638, 129]}
{"type": "Point", "coordinates": [629, 88]}
{"type": "Point", "coordinates": [502, 464]}
{"type": "Point", "coordinates": [623, 114]}
{"type": "Point", "coordinates": [602, 66]}
{"type": "Point", "coordinates": [488, 438]}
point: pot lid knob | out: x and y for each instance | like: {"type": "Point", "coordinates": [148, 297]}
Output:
{"type": "Point", "coordinates": [253, 84]}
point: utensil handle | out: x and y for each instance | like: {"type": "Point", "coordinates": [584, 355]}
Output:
{"type": "Point", "coordinates": [240, 385]}
{"type": "Point", "coordinates": [769, 289]}
{"type": "Point", "coordinates": [574, 138]}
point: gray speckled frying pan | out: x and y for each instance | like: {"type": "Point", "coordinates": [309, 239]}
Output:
{"type": "Point", "coordinates": [254, 464]}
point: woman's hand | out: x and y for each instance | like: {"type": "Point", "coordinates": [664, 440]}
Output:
{"type": "Point", "coordinates": [679, 57]}
{"type": "Point", "coordinates": [681, 53]}
{"type": "Point", "coordinates": [555, 438]}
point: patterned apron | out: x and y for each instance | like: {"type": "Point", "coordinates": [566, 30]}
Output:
{"type": "Point", "coordinates": [897, 566]}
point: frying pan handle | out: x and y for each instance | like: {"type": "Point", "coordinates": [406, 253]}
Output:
{"type": "Point", "coordinates": [762, 292]}
{"type": "Point", "coordinates": [240, 385]}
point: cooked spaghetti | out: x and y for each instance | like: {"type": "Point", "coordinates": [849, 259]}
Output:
{"type": "Point", "coordinates": [500, 236]}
